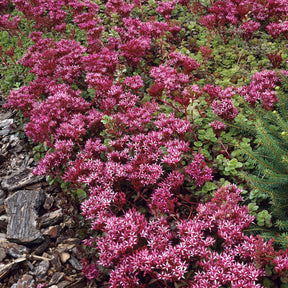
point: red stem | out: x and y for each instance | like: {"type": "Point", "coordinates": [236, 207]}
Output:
{"type": "Point", "coordinates": [170, 104]}
{"type": "Point", "coordinates": [223, 146]}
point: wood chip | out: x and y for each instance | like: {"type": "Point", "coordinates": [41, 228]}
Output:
{"type": "Point", "coordinates": [81, 283]}
{"type": "Point", "coordinates": [40, 257]}
{"type": "Point", "coordinates": [20, 179]}
{"type": "Point", "coordinates": [64, 257]}
{"type": "Point", "coordinates": [51, 218]}
{"type": "Point", "coordinates": [56, 278]}
{"type": "Point", "coordinates": [6, 268]}
{"type": "Point", "coordinates": [75, 263]}
{"type": "Point", "coordinates": [2, 254]}
{"type": "Point", "coordinates": [22, 211]}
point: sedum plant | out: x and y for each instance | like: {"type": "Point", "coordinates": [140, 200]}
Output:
{"type": "Point", "coordinates": [125, 120]}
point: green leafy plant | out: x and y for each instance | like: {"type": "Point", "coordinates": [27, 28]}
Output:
{"type": "Point", "coordinates": [228, 167]}
{"type": "Point", "coordinates": [270, 156]}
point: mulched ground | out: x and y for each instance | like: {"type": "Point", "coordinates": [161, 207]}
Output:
{"type": "Point", "coordinates": [55, 261]}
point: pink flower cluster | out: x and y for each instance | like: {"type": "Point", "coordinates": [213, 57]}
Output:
{"type": "Point", "coordinates": [59, 114]}
{"type": "Point", "coordinates": [165, 8]}
{"type": "Point", "coordinates": [222, 13]}
{"type": "Point", "coordinates": [3, 5]}
{"type": "Point", "coordinates": [54, 60]}
{"type": "Point", "coordinates": [199, 170]}
{"type": "Point", "coordinates": [120, 7]}
{"type": "Point", "coordinates": [216, 92]}
{"type": "Point", "coordinates": [173, 83]}
{"type": "Point", "coordinates": [217, 126]}
{"type": "Point", "coordinates": [48, 16]}
{"type": "Point", "coordinates": [276, 29]}
{"type": "Point", "coordinates": [169, 78]}
{"type": "Point", "coordinates": [261, 88]}
{"type": "Point", "coordinates": [224, 109]}
{"type": "Point", "coordinates": [281, 263]}
{"type": "Point", "coordinates": [163, 199]}
{"type": "Point", "coordinates": [134, 247]}
{"type": "Point", "coordinates": [221, 100]}
{"type": "Point", "coordinates": [248, 28]}
{"type": "Point", "coordinates": [10, 25]}
{"type": "Point", "coordinates": [90, 271]}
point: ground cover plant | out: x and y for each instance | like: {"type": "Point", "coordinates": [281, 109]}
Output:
{"type": "Point", "coordinates": [135, 109]}
{"type": "Point", "coordinates": [269, 179]}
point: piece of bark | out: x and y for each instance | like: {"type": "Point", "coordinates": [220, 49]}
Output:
{"type": "Point", "coordinates": [64, 247]}
{"type": "Point", "coordinates": [48, 202]}
{"type": "Point", "coordinates": [42, 247]}
{"type": "Point", "coordinates": [5, 124]}
{"type": "Point", "coordinates": [41, 269]}
{"type": "Point", "coordinates": [13, 249]}
{"type": "Point", "coordinates": [5, 151]}
{"type": "Point", "coordinates": [63, 284]}
{"type": "Point", "coordinates": [3, 254]}
{"type": "Point", "coordinates": [22, 211]}
{"type": "Point", "coordinates": [51, 218]}
{"type": "Point", "coordinates": [64, 240]}
{"type": "Point", "coordinates": [3, 158]}
{"type": "Point", "coordinates": [56, 278]}
{"type": "Point", "coordinates": [4, 132]}
{"type": "Point", "coordinates": [5, 269]}
{"type": "Point", "coordinates": [56, 262]}
{"type": "Point", "coordinates": [6, 115]}
{"type": "Point", "coordinates": [80, 283]}
{"type": "Point", "coordinates": [52, 231]}
{"type": "Point", "coordinates": [3, 222]}
{"type": "Point", "coordinates": [20, 179]}
{"type": "Point", "coordinates": [30, 265]}
{"type": "Point", "coordinates": [2, 196]}
{"type": "Point", "coordinates": [75, 263]}
{"type": "Point", "coordinates": [17, 251]}
{"type": "Point", "coordinates": [2, 208]}
{"type": "Point", "coordinates": [27, 281]}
